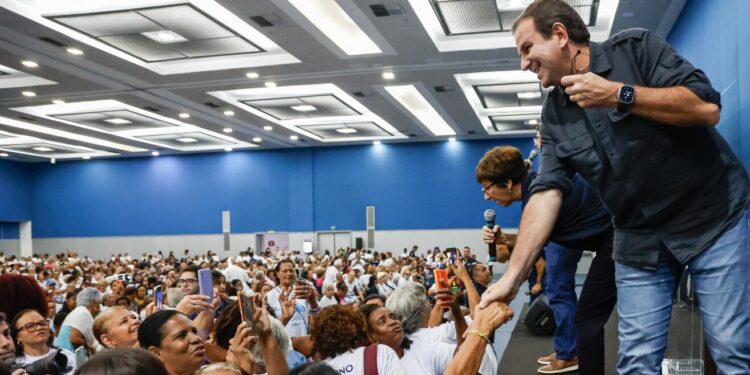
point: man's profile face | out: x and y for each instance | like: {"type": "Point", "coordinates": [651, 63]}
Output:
{"type": "Point", "coordinates": [543, 57]}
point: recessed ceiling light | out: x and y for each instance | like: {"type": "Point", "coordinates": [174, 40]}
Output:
{"type": "Point", "coordinates": [452, 139]}
{"type": "Point", "coordinates": [252, 75]}
{"type": "Point", "coordinates": [43, 149]}
{"type": "Point", "coordinates": [409, 97]}
{"type": "Point", "coordinates": [155, 153]}
{"type": "Point", "coordinates": [303, 108]}
{"type": "Point", "coordinates": [533, 122]}
{"type": "Point", "coordinates": [529, 95]}
{"type": "Point", "coordinates": [74, 51]}
{"type": "Point", "coordinates": [229, 112]}
{"type": "Point", "coordinates": [58, 101]}
{"type": "Point", "coordinates": [86, 157]}
{"type": "Point", "coordinates": [337, 25]}
{"type": "Point", "coordinates": [118, 121]}
{"type": "Point", "coordinates": [29, 64]}
{"type": "Point", "coordinates": [293, 137]}
{"type": "Point", "coordinates": [346, 130]}
{"type": "Point", "coordinates": [187, 140]}
{"type": "Point", "coordinates": [388, 75]}
{"type": "Point", "coordinates": [228, 130]}
{"type": "Point", "coordinates": [257, 140]}
{"type": "Point", "coordinates": [228, 149]}
{"type": "Point", "coordinates": [376, 142]}
{"type": "Point", "coordinates": [270, 84]}
{"type": "Point", "coordinates": [3, 155]}
{"type": "Point", "coordinates": [184, 115]}
{"type": "Point", "coordinates": [52, 161]}
{"type": "Point", "coordinates": [164, 36]}
{"type": "Point", "coordinates": [28, 94]}
{"type": "Point", "coordinates": [268, 128]}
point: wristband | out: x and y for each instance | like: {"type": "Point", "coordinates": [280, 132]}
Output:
{"type": "Point", "coordinates": [483, 335]}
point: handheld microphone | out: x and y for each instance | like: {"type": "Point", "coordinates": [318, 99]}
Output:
{"type": "Point", "coordinates": [489, 218]}
{"type": "Point", "coordinates": [532, 155]}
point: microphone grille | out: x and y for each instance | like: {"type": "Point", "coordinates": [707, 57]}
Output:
{"type": "Point", "coordinates": [489, 215]}
{"type": "Point", "coordinates": [533, 154]}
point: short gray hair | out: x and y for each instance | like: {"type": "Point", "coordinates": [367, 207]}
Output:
{"type": "Point", "coordinates": [87, 296]}
{"type": "Point", "coordinates": [282, 339]}
{"type": "Point", "coordinates": [408, 303]}
{"type": "Point", "coordinates": [220, 366]}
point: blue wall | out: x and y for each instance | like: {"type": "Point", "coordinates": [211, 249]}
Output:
{"type": "Point", "coordinates": [413, 186]}
{"type": "Point", "coordinates": [714, 36]}
{"type": "Point", "coordinates": [9, 231]}
{"type": "Point", "coordinates": [15, 191]}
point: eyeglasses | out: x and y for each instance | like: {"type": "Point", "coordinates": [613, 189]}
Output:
{"type": "Point", "coordinates": [487, 187]}
{"type": "Point", "coordinates": [32, 327]}
{"type": "Point", "coordinates": [186, 281]}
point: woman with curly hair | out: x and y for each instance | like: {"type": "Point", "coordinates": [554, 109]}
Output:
{"type": "Point", "coordinates": [339, 334]}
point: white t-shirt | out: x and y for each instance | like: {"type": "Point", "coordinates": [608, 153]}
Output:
{"type": "Point", "coordinates": [330, 277]}
{"type": "Point", "coordinates": [325, 302]}
{"type": "Point", "coordinates": [446, 333]}
{"type": "Point", "coordinates": [27, 359]}
{"type": "Point", "coordinates": [427, 358]}
{"type": "Point", "coordinates": [298, 324]}
{"type": "Point", "coordinates": [353, 362]}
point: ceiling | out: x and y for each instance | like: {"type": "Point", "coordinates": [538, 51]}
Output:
{"type": "Point", "coordinates": [121, 78]}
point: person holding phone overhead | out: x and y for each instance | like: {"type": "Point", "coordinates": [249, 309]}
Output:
{"type": "Point", "coordinates": [302, 293]}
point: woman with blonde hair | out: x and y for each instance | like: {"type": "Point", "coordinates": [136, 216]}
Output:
{"type": "Point", "coordinates": [117, 328]}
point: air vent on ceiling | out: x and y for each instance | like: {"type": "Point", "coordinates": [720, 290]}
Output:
{"type": "Point", "coordinates": [151, 109]}
{"type": "Point", "coordinates": [212, 105]}
{"type": "Point", "coordinates": [262, 21]}
{"type": "Point", "coordinates": [362, 94]}
{"type": "Point", "coordinates": [444, 88]}
{"type": "Point", "coordinates": [53, 42]}
{"type": "Point", "coordinates": [386, 9]}
{"type": "Point", "coordinates": [26, 118]}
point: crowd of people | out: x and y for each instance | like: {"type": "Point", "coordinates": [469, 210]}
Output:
{"type": "Point", "coordinates": [350, 310]}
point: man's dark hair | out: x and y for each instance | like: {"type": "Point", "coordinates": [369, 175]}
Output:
{"type": "Point", "coordinates": [191, 268]}
{"type": "Point", "coordinates": [546, 13]}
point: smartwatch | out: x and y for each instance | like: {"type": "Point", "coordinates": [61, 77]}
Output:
{"type": "Point", "coordinates": [625, 97]}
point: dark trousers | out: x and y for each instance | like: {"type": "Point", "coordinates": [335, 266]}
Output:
{"type": "Point", "coordinates": [595, 304]}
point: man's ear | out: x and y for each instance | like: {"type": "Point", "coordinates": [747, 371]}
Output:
{"type": "Point", "coordinates": [560, 34]}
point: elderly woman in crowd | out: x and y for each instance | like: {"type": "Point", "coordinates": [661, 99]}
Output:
{"type": "Point", "coordinates": [171, 337]}
{"type": "Point", "coordinates": [116, 328]}
{"type": "Point", "coordinates": [76, 330]}
{"type": "Point", "coordinates": [30, 331]}
{"type": "Point", "coordinates": [339, 334]}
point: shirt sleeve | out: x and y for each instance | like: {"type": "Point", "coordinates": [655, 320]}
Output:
{"type": "Point", "coordinates": [662, 66]}
{"type": "Point", "coordinates": [553, 173]}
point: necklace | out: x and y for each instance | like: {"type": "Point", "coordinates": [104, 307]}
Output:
{"type": "Point", "coordinates": [573, 68]}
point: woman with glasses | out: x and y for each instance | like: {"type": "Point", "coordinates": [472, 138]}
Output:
{"type": "Point", "coordinates": [30, 331]}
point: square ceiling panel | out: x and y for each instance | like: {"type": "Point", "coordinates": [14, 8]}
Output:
{"type": "Point", "coordinates": [460, 25]}
{"type": "Point", "coordinates": [315, 111]}
{"type": "Point", "coordinates": [303, 107]}
{"type": "Point", "coordinates": [175, 32]}
{"type": "Point", "coordinates": [506, 102]}
{"type": "Point", "coordinates": [343, 131]}
{"type": "Point", "coordinates": [185, 141]}
{"type": "Point", "coordinates": [122, 120]}
{"type": "Point", "coordinates": [511, 94]}
{"type": "Point", "coordinates": [166, 37]}
{"type": "Point", "coordinates": [115, 121]}
{"type": "Point", "coordinates": [32, 146]}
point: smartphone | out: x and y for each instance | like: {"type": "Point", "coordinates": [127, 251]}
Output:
{"type": "Point", "coordinates": [246, 307]}
{"type": "Point", "coordinates": [441, 277]}
{"type": "Point", "coordinates": [206, 283]}
{"type": "Point", "coordinates": [452, 254]}
{"type": "Point", "coordinates": [82, 354]}
{"type": "Point", "coordinates": [159, 297]}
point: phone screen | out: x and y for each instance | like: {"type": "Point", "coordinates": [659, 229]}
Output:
{"type": "Point", "coordinates": [205, 283]}
{"type": "Point", "coordinates": [452, 253]}
{"type": "Point", "coordinates": [159, 296]}
{"type": "Point", "coordinates": [246, 307]}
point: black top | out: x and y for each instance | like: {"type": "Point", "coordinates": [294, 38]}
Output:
{"type": "Point", "coordinates": [583, 220]}
{"type": "Point", "coordinates": [668, 187]}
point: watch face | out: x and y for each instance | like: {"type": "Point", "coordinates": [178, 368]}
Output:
{"type": "Point", "coordinates": [627, 94]}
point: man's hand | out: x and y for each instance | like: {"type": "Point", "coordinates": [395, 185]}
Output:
{"type": "Point", "coordinates": [590, 90]}
{"type": "Point", "coordinates": [504, 290]}
{"type": "Point", "coordinates": [194, 303]}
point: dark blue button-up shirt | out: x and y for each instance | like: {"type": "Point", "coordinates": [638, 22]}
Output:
{"type": "Point", "coordinates": [669, 188]}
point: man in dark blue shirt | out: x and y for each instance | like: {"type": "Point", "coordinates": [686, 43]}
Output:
{"type": "Point", "coordinates": [583, 224]}
{"type": "Point", "coordinates": [636, 120]}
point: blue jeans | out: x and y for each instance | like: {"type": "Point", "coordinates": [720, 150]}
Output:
{"type": "Point", "coordinates": [721, 278]}
{"type": "Point", "coordinates": [561, 284]}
